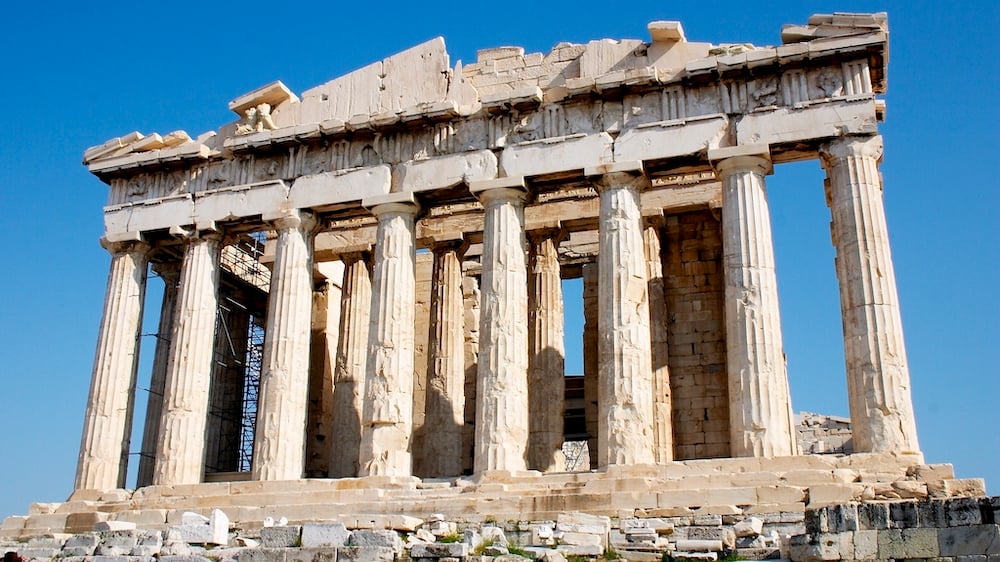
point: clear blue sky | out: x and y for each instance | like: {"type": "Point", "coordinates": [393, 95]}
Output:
{"type": "Point", "coordinates": [79, 74]}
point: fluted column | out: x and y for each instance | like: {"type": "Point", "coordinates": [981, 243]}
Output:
{"type": "Point", "coordinates": [323, 368]}
{"type": "Point", "coordinates": [180, 448]}
{"type": "Point", "coordinates": [279, 436]}
{"type": "Point", "coordinates": [663, 447]}
{"type": "Point", "coordinates": [591, 329]}
{"type": "Point", "coordinates": [387, 423]}
{"type": "Point", "coordinates": [625, 385]}
{"type": "Point", "coordinates": [352, 357]}
{"type": "Point", "coordinates": [170, 273]}
{"type": "Point", "coordinates": [546, 354]}
{"type": "Point", "coordinates": [502, 382]}
{"type": "Point", "coordinates": [878, 377]}
{"type": "Point", "coordinates": [107, 422]}
{"type": "Point", "coordinates": [760, 412]}
{"type": "Point", "coordinates": [445, 404]}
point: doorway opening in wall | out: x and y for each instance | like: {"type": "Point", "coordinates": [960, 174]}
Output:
{"type": "Point", "coordinates": [575, 436]}
{"type": "Point", "coordinates": [809, 301]}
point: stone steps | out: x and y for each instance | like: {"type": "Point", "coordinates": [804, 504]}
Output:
{"type": "Point", "coordinates": [687, 488]}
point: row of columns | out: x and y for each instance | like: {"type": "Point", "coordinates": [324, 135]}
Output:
{"type": "Point", "coordinates": [373, 383]}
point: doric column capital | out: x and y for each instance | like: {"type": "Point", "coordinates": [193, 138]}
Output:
{"type": "Point", "coordinates": [500, 190]}
{"type": "Point", "coordinates": [293, 219]}
{"type": "Point", "coordinates": [457, 245]}
{"type": "Point", "coordinates": [399, 203]}
{"type": "Point", "coordinates": [629, 175]}
{"type": "Point", "coordinates": [553, 233]}
{"type": "Point", "coordinates": [847, 147]}
{"type": "Point", "coordinates": [350, 258]}
{"type": "Point", "coordinates": [168, 270]}
{"type": "Point", "coordinates": [125, 246]}
{"type": "Point", "coordinates": [754, 158]}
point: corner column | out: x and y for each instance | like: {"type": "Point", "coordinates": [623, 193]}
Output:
{"type": "Point", "coordinates": [170, 273]}
{"type": "Point", "coordinates": [761, 422]}
{"type": "Point", "coordinates": [878, 377]}
{"type": "Point", "coordinates": [625, 385]}
{"type": "Point", "coordinates": [180, 448]}
{"type": "Point", "coordinates": [547, 354]}
{"type": "Point", "coordinates": [352, 354]}
{"type": "Point", "coordinates": [501, 392]}
{"type": "Point", "coordinates": [445, 404]}
{"type": "Point", "coordinates": [107, 423]}
{"type": "Point", "coordinates": [279, 436]}
{"type": "Point", "coordinates": [387, 423]}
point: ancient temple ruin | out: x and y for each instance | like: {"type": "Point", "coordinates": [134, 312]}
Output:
{"type": "Point", "coordinates": [362, 315]}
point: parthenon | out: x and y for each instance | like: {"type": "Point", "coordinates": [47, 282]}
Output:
{"type": "Point", "coordinates": [363, 312]}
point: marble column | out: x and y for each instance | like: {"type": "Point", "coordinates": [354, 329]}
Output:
{"type": "Point", "coordinates": [591, 328]}
{"type": "Point", "coordinates": [352, 358]}
{"type": "Point", "coordinates": [107, 423]}
{"type": "Point", "coordinates": [445, 403]}
{"type": "Point", "coordinates": [760, 412]}
{"type": "Point", "coordinates": [663, 447]}
{"type": "Point", "coordinates": [502, 381]}
{"type": "Point", "coordinates": [625, 383]}
{"type": "Point", "coordinates": [180, 448]}
{"type": "Point", "coordinates": [546, 354]}
{"type": "Point", "coordinates": [279, 436]}
{"type": "Point", "coordinates": [323, 367]}
{"type": "Point", "coordinates": [878, 377]}
{"type": "Point", "coordinates": [387, 416]}
{"type": "Point", "coordinates": [170, 273]}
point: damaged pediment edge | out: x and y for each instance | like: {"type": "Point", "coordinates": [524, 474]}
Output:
{"type": "Point", "coordinates": [136, 149]}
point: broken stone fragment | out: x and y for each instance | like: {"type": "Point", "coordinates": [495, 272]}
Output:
{"type": "Point", "coordinates": [749, 527]}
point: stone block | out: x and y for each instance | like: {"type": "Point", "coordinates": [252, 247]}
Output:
{"type": "Point", "coordinates": [903, 515]}
{"type": "Point", "coordinates": [973, 539]}
{"type": "Point", "coordinates": [873, 516]}
{"type": "Point", "coordinates": [908, 543]}
{"type": "Point", "coordinates": [440, 550]}
{"type": "Point", "coordinates": [143, 518]}
{"type": "Point", "coordinates": [725, 535]}
{"type": "Point", "coordinates": [963, 511]}
{"type": "Point", "coordinates": [556, 155]}
{"type": "Point", "coordinates": [261, 555]}
{"type": "Point", "coordinates": [965, 487]}
{"type": "Point", "coordinates": [580, 550]}
{"type": "Point", "coordinates": [83, 544]}
{"type": "Point", "coordinates": [149, 543]}
{"type": "Point", "coordinates": [574, 538]}
{"type": "Point", "coordinates": [932, 514]}
{"type": "Point", "coordinates": [323, 554]}
{"type": "Point", "coordinates": [812, 548]}
{"type": "Point", "coordinates": [84, 521]}
{"type": "Point", "coordinates": [780, 494]}
{"type": "Point", "coordinates": [493, 535]}
{"type": "Point", "coordinates": [114, 526]}
{"type": "Point", "coordinates": [281, 537]}
{"type": "Point", "coordinates": [989, 509]}
{"type": "Point", "coordinates": [365, 554]}
{"type": "Point", "coordinates": [707, 520]}
{"type": "Point", "coordinates": [168, 558]}
{"type": "Point", "coordinates": [324, 534]}
{"type": "Point", "coordinates": [699, 545]}
{"type": "Point", "coordinates": [826, 494]}
{"type": "Point", "coordinates": [865, 545]}
{"type": "Point", "coordinates": [750, 527]}
{"type": "Point", "coordinates": [376, 538]}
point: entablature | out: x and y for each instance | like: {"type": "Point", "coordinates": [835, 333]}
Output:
{"type": "Point", "coordinates": [664, 103]}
